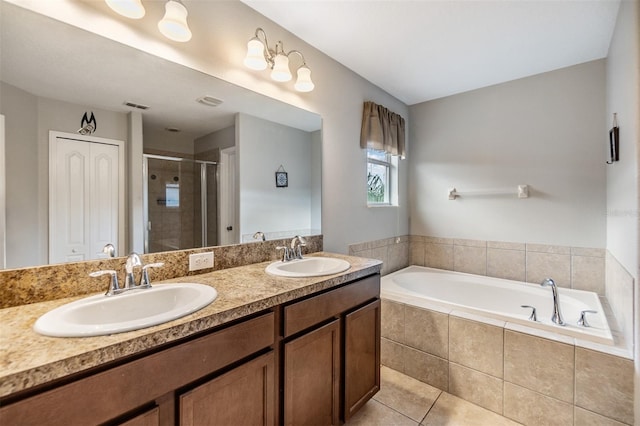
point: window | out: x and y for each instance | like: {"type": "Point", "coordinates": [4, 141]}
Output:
{"type": "Point", "coordinates": [379, 169]}
{"type": "Point", "coordinates": [172, 195]}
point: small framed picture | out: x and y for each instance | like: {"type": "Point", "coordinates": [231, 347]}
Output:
{"type": "Point", "coordinates": [282, 180]}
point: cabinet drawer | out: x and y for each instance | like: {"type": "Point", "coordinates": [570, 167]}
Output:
{"type": "Point", "coordinates": [106, 395]}
{"type": "Point", "coordinates": [314, 310]}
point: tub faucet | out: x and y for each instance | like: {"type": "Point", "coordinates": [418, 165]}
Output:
{"type": "Point", "coordinates": [556, 317]}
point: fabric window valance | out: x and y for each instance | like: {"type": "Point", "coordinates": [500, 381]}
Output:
{"type": "Point", "coordinates": [382, 130]}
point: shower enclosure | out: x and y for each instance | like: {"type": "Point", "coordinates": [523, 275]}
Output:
{"type": "Point", "coordinates": [180, 203]}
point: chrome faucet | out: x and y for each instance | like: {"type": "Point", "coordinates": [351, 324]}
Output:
{"type": "Point", "coordinates": [557, 316]}
{"type": "Point", "coordinates": [259, 236]}
{"type": "Point", "coordinates": [132, 261]}
{"type": "Point", "coordinates": [294, 251]}
{"type": "Point", "coordinates": [296, 246]}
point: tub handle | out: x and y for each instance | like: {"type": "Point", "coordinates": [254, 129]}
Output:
{"type": "Point", "coordinates": [533, 316]}
{"type": "Point", "coordinates": [583, 317]}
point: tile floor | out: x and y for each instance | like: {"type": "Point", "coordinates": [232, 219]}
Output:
{"type": "Point", "coordinates": [403, 400]}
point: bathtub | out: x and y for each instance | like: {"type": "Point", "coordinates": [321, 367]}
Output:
{"type": "Point", "coordinates": [499, 299]}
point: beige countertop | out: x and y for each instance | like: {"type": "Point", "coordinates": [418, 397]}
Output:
{"type": "Point", "coordinates": [28, 359]}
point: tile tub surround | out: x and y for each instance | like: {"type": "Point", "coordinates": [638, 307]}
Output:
{"type": "Point", "coordinates": [28, 359]}
{"type": "Point", "coordinates": [572, 267]}
{"type": "Point", "coordinates": [531, 378]}
{"type": "Point", "coordinates": [50, 282]}
{"type": "Point", "coordinates": [393, 252]}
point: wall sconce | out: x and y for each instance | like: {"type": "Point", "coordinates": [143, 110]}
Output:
{"type": "Point", "coordinates": [173, 25]}
{"type": "Point", "coordinates": [260, 56]}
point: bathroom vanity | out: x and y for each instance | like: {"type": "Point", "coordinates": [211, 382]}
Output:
{"type": "Point", "coordinates": [269, 351]}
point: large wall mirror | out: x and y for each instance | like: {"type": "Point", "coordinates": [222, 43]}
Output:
{"type": "Point", "coordinates": [187, 171]}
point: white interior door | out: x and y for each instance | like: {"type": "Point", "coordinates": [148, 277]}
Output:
{"type": "Point", "coordinates": [86, 197]}
{"type": "Point", "coordinates": [228, 218]}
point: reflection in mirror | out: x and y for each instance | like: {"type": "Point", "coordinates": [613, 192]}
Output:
{"type": "Point", "coordinates": [214, 160]}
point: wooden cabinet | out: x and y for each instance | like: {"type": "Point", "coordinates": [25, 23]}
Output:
{"type": "Point", "coordinates": [331, 353]}
{"type": "Point", "coordinates": [361, 357]}
{"type": "Point", "coordinates": [243, 396]}
{"type": "Point", "coordinates": [312, 377]}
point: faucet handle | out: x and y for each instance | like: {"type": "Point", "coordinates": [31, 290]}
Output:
{"type": "Point", "coordinates": [583, 317]}
{"type": "Point", "coordinates": [285, 252]}
{"type": "Point", "coordinates": [113, 284]}
{"type": "Point", "coordinates": [145, 282]}
{"type": "Point", "coordinates": [533, 316]}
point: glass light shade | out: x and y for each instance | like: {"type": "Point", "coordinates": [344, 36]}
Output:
{"type": "Point", "coordinates": [280, 70]}
{"type": "Point", "coordinates": [255, 55]}
{"type": "Point", "coordinates": [130, 8]}
{"type": "Point", "coordinates": [304, 83]}
{"type": "Point", "coordinates": [174, 24]}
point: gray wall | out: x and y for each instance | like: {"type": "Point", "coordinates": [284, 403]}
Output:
{"type": "Point", "coordinates": [545, 131]}
{"type": "Point", "coordinates": [28, 122]}
{"type": "Point", "coordinates": [263, 206]}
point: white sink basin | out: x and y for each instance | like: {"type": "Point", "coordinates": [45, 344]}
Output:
{"type": "Point", "coordinates": [308, 267]}
{"type": "Point", "coordinates": [132, 310]}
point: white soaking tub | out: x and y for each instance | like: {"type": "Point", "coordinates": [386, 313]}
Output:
{"type": "Point", "coordinates": [499, 299]}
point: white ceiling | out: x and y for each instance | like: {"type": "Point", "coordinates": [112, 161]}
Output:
{"type": "Point", "coordinates": [422, 50]}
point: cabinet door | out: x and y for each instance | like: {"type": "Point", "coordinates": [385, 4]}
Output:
{"type": "Point", "coordinates": [361, 357]}
{"type": "Point", "coordinates": [312, 377]}
{"type": "Point", "coordinates": [148, 418]}
{"type": "Point", "coordinates": [243, 396]}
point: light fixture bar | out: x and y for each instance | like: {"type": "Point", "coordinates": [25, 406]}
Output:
{"type": "Point", "coordinates": [260, 56]}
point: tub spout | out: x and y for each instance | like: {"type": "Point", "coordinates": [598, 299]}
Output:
{"type": "Point", "coordinates": [557, 316]}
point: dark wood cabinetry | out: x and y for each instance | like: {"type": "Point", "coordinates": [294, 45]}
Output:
{"type": "Point", "coordinates": [332, 369]}
{"type": "Point", "coordinates": [243, 396]}
{"type": "Point", "coordinates": [311, 361]}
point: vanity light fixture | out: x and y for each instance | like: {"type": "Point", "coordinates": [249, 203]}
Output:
{"type": "Point", "coordinates": [174, 23]}
{"type": "Point", "coordinates": [130, 8]}
{"type": "Point", "coordinates": [260, 56]}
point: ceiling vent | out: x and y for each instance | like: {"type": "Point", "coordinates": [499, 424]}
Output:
{"type": "Point", "coordinates": [138, 106]}
{"type": "Point", "coordinates": [209, 101]}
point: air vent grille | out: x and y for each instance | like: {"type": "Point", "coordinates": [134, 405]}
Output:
{"type": "Point", "coordinates": [135, 105]}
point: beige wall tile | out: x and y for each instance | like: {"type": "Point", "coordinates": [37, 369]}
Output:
{"type": "Point", "coordinates": [532, 408]}
{"type": "Point", "coordinates": [405, 394]}
{"type": "Point", "coordinates": [450, 410]}
{"type": "Point", "coordinates": [392, 320]}
{"type": "Point", "coordinates": [416, 253]}
{"type": "Point", "coordinates": [438, 240]}
{"type": "Point", "coordinates": [549, 265]}
{"type": "Point", "coordinates": [587, 273]}
{"type": "Point", "coordinates": [584, 251]}
{"type": "Point", "coordinates": [392, 354]}
{"type": "Point", "coordinates": [398, 254]}
{"type": "Point", "coordinates": [438, 256]}
{"type": "Point", "coordinates": [427, 331]}
{"type": "Point", "coordinates": [545, 248]}
{"type": "Point", "coordinates": [539, 364]}
{"type": "Point", "coordinates": [380, 253]}
{"type": "Point", "coordinates": [476, 345]}
{"type": "Point", "coordinates": [604, 384]}
{"type": "Point", "coordinates": [582, 417]}
{"type": "Point", "coordinates": [470, 259]}
{"type": "Point", "coordinates": [504, 245]}
{"type": "Point", "coordinates": [469, 243]}
{"type": "Point", "coordinates": [473, 386]}
{"type": "Point", "coordinates": [508, 264]}
{"type": "Point", "coordinates": [426, 368]}
{"type": "Point", "coordinates": [619, 291]}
